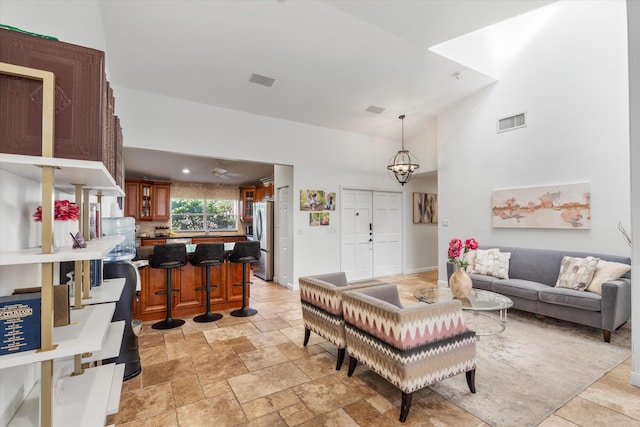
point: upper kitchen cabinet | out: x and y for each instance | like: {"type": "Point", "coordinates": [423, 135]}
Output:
{"type": "Point", "coordinates": [147, 200]}
{"type": "Point", "coordinates": [85, 126]}
{"type": "Point", "coordinates": [247, 197]}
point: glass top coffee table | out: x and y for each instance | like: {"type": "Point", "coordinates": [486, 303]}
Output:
{"type": "Point", "coordinates": [477, 302]}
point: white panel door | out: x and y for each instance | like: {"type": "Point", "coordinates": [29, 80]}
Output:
{"type": "Point", "coordinates": [283, 273]}
{"type": "Point", "coordinates": [387, 233]}
{"type": "Point", "coordinates": [356, 217]}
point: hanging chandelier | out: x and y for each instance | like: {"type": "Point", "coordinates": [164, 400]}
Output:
{"type": "Point", "coordinates": [403, 164]}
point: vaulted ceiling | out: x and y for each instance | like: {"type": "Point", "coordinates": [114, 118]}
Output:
{"type": "Point", "coordinates": [331, 59]}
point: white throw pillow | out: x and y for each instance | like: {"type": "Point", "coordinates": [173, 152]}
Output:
{"type": "Point", "coordinates": [605, 271]}
{"type": "Point", "coordinates": [492, 263]}
{"type": "Point", "coordinates": [470, 258]}
{"type": "Point", "coordinates": [576, 273]}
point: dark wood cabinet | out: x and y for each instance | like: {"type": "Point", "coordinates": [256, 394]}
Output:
{"type": "Point", "coordinates": [247, 197]}
{"type": "Point", "coordinates": [264, 192]}
{"type": "Point", "coordinates": [161, 202]}
{"type": "Point", "coordinates": [85, 127]}
{"type": "Point", "coordinates": [131, 199]}
{"type": "Point", "coordinates": [189, 300]}
{"type": "Point", "coordinates": [153, 242]}
{"type": "Point", "coordinates": [147, 200]}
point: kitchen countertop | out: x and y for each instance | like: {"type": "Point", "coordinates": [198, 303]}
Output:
{"type": "Point", "coordinates": [191, 236]}
{"type": "Point", "coordinates": [145, 252]}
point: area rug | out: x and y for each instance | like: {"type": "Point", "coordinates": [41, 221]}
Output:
{"type": "Point", "coordinates": [533, 368]}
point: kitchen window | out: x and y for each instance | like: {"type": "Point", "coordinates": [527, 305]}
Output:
{"type": "Point", "coordinates": [204, 215]}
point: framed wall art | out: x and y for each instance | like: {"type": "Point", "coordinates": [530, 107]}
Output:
{"type": "Point", "coordinates": [425, 208]}
{"type": "Point", "coordinates": [554, 206]}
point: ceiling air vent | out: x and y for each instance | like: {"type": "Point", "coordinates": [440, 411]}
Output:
{"type": "Point", "coordinates": [261, 80]}
{"type": "Point", "coordinates": [375, 110]}
{"type": "Point", "coordinates": [512, 122]}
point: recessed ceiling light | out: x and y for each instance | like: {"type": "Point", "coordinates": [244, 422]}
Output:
{"type": "Point", "coordinates": [261, 80]}
{"type": "Point", "coordinates": [375, 110]}
{"type": "Point", "coordinates": [185, 170]}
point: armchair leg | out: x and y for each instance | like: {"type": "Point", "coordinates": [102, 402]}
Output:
{"type": "Point", "coordinates": [352, 365]}
{"type": "Point", "coordinates": [307, 334]}
{"type": "Point", "coordinates": [606, 335]}
{"type": "Point", "coordinates": [405, 406]}
{"type": "Point", "coordinates": [341, 353]}
{"type": "Point", "coordinates": [471, 380]}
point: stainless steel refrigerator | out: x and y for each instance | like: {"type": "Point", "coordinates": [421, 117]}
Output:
{"type": "Point", "coordinates": [263, 232]}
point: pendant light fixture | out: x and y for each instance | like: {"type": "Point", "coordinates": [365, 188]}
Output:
{"type": "Point", "coordinates": [403, 164]}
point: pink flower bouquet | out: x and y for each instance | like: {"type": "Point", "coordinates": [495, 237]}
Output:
{"type": "Point", "coordinates": [457, 250]}
{"type": "Point", "coordinates": [63, 210]}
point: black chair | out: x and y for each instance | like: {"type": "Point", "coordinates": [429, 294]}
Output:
{"type": "Point", "coordinates": [208, 255]}
{"type": "Point", "coordinates": [168, 257]}
{"type": "Point", "coordinates": [245, 253]}
{"type": "Point", "coordinates": [129, 354]}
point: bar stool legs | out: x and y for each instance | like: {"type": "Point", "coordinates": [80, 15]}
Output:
{"type": "Point", "coordinates": [208, 316]}
{"type": "Point", "coordinates": [168, 322]}
{"type": "Point", "coordinates": [244, 311]}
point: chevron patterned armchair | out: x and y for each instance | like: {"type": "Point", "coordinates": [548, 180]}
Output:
{"type": "Point", "coordinates": [412, 347]}
{"type": "Point", "coordinates": [321, 298]}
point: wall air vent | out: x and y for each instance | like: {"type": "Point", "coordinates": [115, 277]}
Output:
{"type": "Point", "coordinates": [512, 122]}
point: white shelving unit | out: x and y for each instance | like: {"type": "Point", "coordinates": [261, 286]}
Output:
{"type": "Point", "coordinates": [88, 397]}
{"type": "Point", "coordinates": [109, 291]}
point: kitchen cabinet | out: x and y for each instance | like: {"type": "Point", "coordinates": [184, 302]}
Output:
{"type": "Point", "coordinates": [153, 242]}
{"type": "Point", "coordinates": [247, 197]}
{"type": "Point", "coordinates": [161, 201]}
{"type": "Point", "coordinates": [131, 189]}
{"type": "Point", "coordinates": [85, 124]}
{"type": "Point", "coordinates": [189, 300]}
{"type": "Point", "coordinates": [264, 192]}
{"type": "Point", "coordinates": [148, 200]}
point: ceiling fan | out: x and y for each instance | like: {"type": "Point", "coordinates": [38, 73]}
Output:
{"type": "Point", "coordinates": [223, 173]}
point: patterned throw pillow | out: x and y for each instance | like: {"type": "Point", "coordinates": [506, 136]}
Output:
{"type": "Point", "coordinates": [605, 271]}
{"type": "Point", "coordinates": [470, 258]}
{"type": "Point", "coordinates": [492, 263]}
{"type": "Point", "coordinates": [576, 273]}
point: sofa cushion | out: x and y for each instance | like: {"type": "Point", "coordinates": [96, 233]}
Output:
{"type": "Point", "coordinates": [491, 263]}
{"type": "Point", "coordinates": [480, 281]}
{"type": "Point", "coordinates": [576, 273]}
{"type": "Point", "coordinates": [536, 265]}
{"type": "Point", "coordinates": [470, 257]}
{"type": "Point", "coordinates": [571, 298]}
{"type": "Point", "coordinates": [518, 288]}
{"type": "Point", "coordinates": [606, 271]}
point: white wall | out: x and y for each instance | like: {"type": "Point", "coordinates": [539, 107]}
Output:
{"type": "Point", "coordinates": [572, 82]}
{"type": "Point", "coordinates": [634, 113]}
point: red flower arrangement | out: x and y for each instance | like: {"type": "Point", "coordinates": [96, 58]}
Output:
{"type": "Point", "coordinates": [457, 250]}
{"type": "Point", "coordinates": [63, 210]}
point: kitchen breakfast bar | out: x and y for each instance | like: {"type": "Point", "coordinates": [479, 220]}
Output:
{"type": "Point", "coordinates": [188, 301]}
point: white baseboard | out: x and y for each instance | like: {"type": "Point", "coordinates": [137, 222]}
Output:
{"type": "Point", "coordinates": [635, 379]}
{"type": "Point", "coordinates": [421, 270]}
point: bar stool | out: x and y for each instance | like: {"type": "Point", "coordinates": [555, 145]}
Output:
{"type": "Point", "coordinates": [245, 253]}
{"type": "Point", "coordinates": [208, 255]}
{"type": "Point", "coordinates": [168, 257]}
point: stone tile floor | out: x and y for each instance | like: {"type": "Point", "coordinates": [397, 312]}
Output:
{"type": "Point", "coordinates": [255, 372]}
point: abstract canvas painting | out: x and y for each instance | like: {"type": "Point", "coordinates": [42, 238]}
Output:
{"type": "Point", "coordinates": [425, 208]}
{"type": "Point", "coordinates": [555, 206]}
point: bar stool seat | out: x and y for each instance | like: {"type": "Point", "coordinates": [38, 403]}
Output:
{"type": "Point", "coordinates": [168, 257]}
{"type": "Point", "coordinates": [208, 255]}
{"type": "Point", "coordinates": [245, 253]}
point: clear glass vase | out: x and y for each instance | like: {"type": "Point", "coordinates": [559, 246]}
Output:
{"type": "Point", "coordinates": [62, 231]}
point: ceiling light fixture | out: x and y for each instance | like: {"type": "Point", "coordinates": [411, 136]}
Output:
{"type": "Point", "coordinates": [403, 164]}
{"type": "Point", "coordinates": [185, 170]}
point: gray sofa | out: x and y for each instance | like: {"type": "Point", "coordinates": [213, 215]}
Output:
{"type": "Point", "coordinates": [531, 286]}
